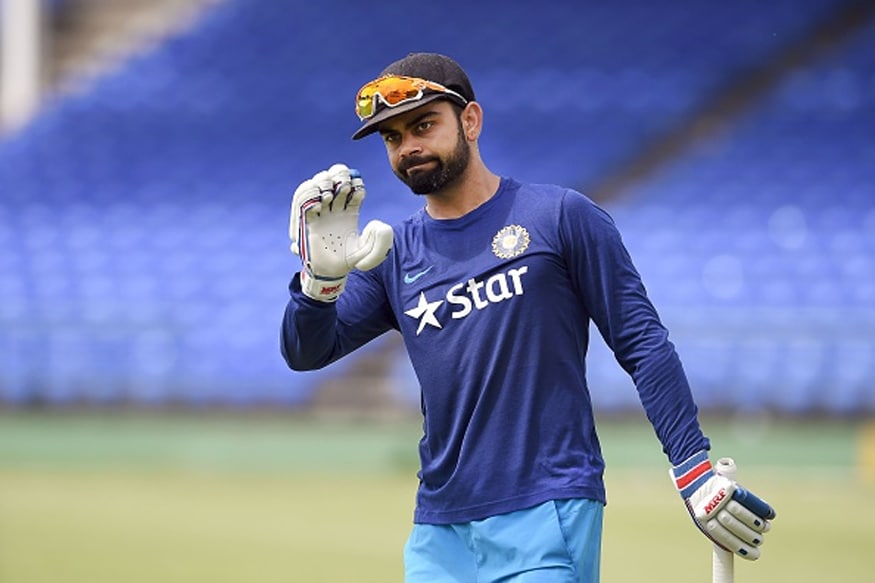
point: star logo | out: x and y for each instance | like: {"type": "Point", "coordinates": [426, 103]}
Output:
{"type": "Point", "coordinates": [425, 313]}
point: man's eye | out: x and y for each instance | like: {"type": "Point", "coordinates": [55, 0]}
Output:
{"type": "Point", "coordinates": [425, 125]}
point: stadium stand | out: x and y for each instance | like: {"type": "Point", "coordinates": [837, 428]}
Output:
{"type": "Point", "coordinates": [143, 245]}
{"type": "Point", "coordinates": [758, 245]}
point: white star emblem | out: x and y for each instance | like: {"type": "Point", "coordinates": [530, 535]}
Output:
{"type": "Point", "coordinates": [425, 310]}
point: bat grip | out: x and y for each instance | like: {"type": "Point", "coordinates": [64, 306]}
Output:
{"type": "Point", "coordinates": [722, 561]}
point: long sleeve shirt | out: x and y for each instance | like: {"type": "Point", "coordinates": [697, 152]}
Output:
{"type": "Point", "coordinates": [495, 310]}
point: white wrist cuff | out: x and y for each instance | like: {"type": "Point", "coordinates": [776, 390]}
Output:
{"type": "Point", "coordinates": [322, 289]}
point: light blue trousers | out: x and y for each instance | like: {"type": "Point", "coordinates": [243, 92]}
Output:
{"type": "Point", "coordinates": [555, 542]}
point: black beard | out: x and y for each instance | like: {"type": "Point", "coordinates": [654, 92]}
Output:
{"type": "Point", "coordinates": [444, 173]}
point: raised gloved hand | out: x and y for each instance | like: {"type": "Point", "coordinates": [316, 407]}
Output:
{"type": "Point", "coordinates": [324, 231]}
{"type": "Point", "coordinates": [732, 517]}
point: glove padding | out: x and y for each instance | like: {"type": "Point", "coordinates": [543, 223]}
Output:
{"type": "Point", "coordinates": [324, 231]}
{"type": "Point", "coordinates": [732, 517]}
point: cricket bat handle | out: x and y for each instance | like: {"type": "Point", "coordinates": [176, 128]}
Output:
{"type": "Point", "coordinates": [722, 565]}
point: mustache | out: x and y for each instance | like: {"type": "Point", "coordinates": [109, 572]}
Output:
{"type": "Point", "coordinates": [409, 163]}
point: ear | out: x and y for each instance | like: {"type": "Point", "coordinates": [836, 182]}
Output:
{"type": "Point", "coordinates": [472, 121]}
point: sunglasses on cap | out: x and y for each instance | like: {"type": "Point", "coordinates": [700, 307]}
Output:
{"type": "Point", "coordinates": [395, 90]}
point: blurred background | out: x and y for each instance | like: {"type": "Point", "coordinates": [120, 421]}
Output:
{"type": "Point", "coordinates": [148, 154]}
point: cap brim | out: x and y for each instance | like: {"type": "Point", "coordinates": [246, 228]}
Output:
{"type": "Point", "coordinates": [370, 126]}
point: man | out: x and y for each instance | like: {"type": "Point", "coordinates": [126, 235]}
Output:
{"type": "Point", "coordinates": [493, 285]}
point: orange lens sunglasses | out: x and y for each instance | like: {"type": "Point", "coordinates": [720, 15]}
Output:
{"type": "Point", "coordinates": [395, 90]}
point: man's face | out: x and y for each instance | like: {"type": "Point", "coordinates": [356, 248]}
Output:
{"type": "Point", "coordinates": [426, 147]}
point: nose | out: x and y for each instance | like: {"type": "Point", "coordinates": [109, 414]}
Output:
{"type": "Point", "coordinates": [409, 146]}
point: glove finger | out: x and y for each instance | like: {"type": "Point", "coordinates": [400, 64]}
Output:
{"type": "Point", "coordinates": [722, 536]}
{"type": "Point", "coordinates": [739, 528]}
{"type": "Point", "coordinates": [325, 184]}
{"type": "Point", "coordinates": [753, 503]}
{"type": "Point", "coordinates": [341, 171]}
{"type": "Point", "coordinates": [306, 199]}
{"type": "Point", "coordinates": [304, 194]}
{"type": "Point", "coordinates": [372, 247]}
{"type": "Point", "coordinates": [747, 517]}
{"type": "Point", "coordinates": [357, 193]}
{"type": "Point", "coordinates": [340, 182]}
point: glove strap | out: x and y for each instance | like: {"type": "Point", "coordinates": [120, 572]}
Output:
{"type": "Point", "coordinates": [323, 289]}
{"type": "Point", "coordinates": [690, 474]}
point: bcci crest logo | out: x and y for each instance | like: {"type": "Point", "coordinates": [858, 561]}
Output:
{"type": "Point", "coordinates": [510, 241]}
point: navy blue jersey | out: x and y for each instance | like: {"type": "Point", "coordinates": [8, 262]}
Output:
{"type": "Point", "coordinates": [495, 310]}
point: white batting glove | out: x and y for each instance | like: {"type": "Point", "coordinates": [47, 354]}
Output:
{"type": "Point", "coordinates": [324, 231]}
{"type": "Point", "coordinates": [732, 517]}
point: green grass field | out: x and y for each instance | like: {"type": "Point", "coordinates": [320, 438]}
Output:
{"type": "Point", "coordinates": [268, 499]}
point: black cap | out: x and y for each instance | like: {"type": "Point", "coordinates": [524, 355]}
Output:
{"type": "Point", "coordinates": [431, 67]}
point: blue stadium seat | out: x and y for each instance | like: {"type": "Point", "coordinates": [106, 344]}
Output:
{"type": "Point", "coordinates": [142, 223]}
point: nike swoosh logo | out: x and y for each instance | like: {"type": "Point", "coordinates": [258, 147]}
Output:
{"type": "Point", "coordinates": [408, 279]}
